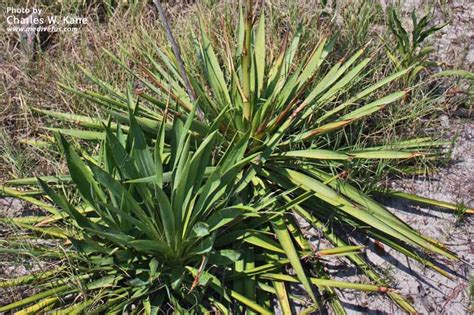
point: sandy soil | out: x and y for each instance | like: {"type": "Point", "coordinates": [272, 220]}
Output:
{"type": "Point", "coordinates": [430, 292]}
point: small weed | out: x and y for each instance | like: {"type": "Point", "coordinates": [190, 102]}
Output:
{"type": "Point", "coordinates": [409, 51]}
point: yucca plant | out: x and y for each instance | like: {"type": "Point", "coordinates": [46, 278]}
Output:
{"type": "Point", "coordinates": [157, 229]}
{"type": "Point", "coordinates": [272, 132]}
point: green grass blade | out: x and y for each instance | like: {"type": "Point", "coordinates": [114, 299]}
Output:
{"type": "Point", "coordinates": [330, 283]}
{"type": "Point", "coordinates": [287, 244]}
{"type": "Point", "coordinates": [282, 297]}
{"type": "Point", "coordinates": [427, 201]}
